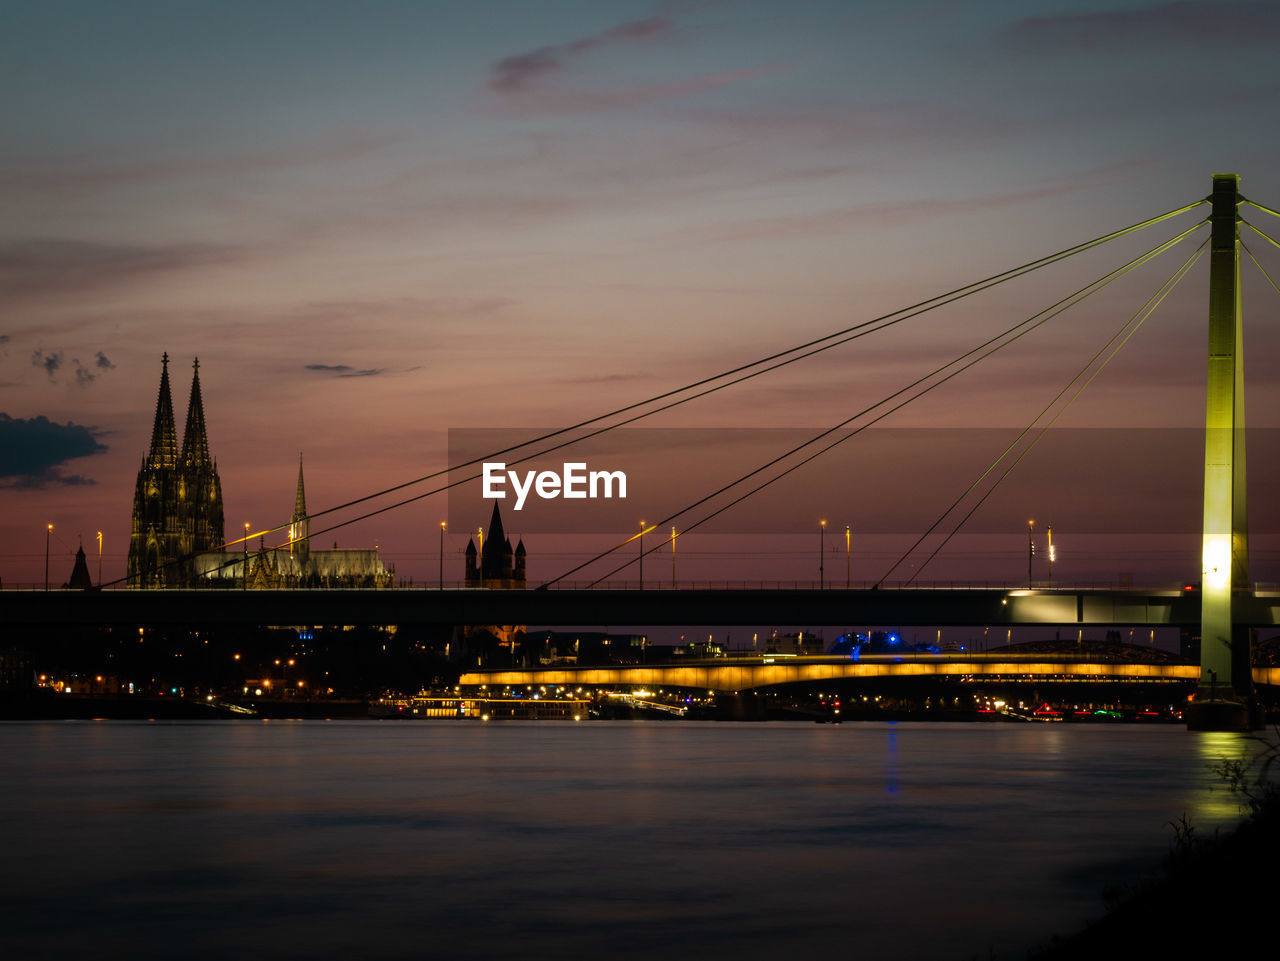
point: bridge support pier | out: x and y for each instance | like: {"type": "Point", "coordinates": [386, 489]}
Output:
{"type": "Point", "coordinates": [1225, 698]}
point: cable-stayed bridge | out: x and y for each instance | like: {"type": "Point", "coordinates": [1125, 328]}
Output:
{"type": "Point", "coordinates": [1222, 601]}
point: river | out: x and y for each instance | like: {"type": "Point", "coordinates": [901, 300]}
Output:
{"type": "Point", "coordinates": [388, 840]}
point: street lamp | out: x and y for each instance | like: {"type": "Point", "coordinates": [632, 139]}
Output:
{"type": "Point", "coordinates": [1049, 532]}
{"type": "Point", "coordinates": [1031, 548]}
{"type": "Point", "coordinates": [99, 558]}
{"type": "Point", "coordinates": [673, 558]}
{"type": "Point", "coordinates": [246, 557]}
{"type": "Point", "coordinates": [822, 540]}
{"type": "Point", "coordinates": [642, 554]}
{"type": "Point", "coordinates": [48, 536]}
{"type": "Point", "coordinates": [443, 525]}
{"type": "Point", "coordinates": [848, 558]}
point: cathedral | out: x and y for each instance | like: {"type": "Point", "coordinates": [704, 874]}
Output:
{"type": "Point", "coordinates": [178, 537]}
{"type": "Point", "coordinates": [177, 505]}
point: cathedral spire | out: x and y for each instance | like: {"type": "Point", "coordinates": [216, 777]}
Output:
{"type": "Point", "coordinates": [195, 442]}
{"type": "Point", "coordinates": [300, 500]}
{"type": "Point", "coordinates": [164, 435]}
{"type": "Point", "coordinates": [299, 523]}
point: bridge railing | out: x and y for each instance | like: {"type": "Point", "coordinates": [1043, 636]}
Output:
{"type": "Point", "coordinates": [710, 584]}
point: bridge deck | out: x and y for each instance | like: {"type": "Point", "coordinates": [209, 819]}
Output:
{"type": "Point", "coordinates": [923, 607]}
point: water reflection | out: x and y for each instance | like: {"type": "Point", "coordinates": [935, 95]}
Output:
{"type": "Point", "coordinates": [620, 840]}
{"type": "Point", "coordinates": [1216, 749]}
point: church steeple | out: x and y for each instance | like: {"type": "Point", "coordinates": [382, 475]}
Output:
{"type": "Point", "coordinates": [195, 441]}
{"type": "Point", "coordinates": [164, 435]}
{"type": "Point", "coordinates": [300, 500]}
{"type": "Point", "coordinates": [299, 523]}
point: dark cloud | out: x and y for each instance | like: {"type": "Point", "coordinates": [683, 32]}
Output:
{"type": "Point", "coordinates": [1198, 22]}
{"type": "Point", "coordinates": [84, 376]}
{"type": "Point", "coordinates": [514, 74]}
{"type": "Point", "coordinates": [50, 362]}
{"type": "Point", "coordinates": [33, 451]}
{"type": "Point", "coordinates": [37, 267]}
{"type": "Point", "coordinates": [345, 370]}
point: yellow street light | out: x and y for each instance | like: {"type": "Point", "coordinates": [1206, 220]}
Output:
{"type": "Point", "coordinates": [822, 539]}
{"type": "Point", "coordinates": [1031, 548]}
{"type": "Point", "coordinates": [673, 558]}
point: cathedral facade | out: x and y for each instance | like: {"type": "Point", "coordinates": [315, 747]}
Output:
{"type": "Point", "coordinates": [178, 538]}
{"type": "Point", "coordinates": [177, 504]}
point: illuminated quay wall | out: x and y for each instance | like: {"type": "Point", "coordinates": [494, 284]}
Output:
{"type": "Point", "coordinates": [732, 676]}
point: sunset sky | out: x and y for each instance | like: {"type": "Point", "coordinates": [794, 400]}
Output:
{"type": "Point", "coordinates": [374, 223]}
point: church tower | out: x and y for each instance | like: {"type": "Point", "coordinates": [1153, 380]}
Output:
{"type": "Point", "coordinates": [496, 565]}
{"type": "Point", "coordinates": [177, 502]}
{"type": "Point", "coordinates": [199, 489]}
{"type": "Point", "coordinates": [300, 524]}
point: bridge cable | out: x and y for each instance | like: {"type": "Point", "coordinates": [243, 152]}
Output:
{"type": "Point", "coordinates": [1140, 317]}
{"type": "Point", "coordinates": [1260, 233]}
{"type": "Point", "coordinates": [1258, 264]}
{"type": "Point", "coordinates": [857, 331]}
{"type": "Point", "coordinates": [636, 417]}
{"type": "Point", "coordinates": [1251, 203]}
{"type": "Point", "coordinates": [1031, 323]}
{"type": "Point", "coordinates": [883, 321]}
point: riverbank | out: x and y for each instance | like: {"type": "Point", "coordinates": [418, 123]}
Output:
{"type": "Point", "coordinates": [1214, 895]}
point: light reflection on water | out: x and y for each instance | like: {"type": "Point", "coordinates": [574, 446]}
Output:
{"type": "Point", "coordinates": [389, 840]}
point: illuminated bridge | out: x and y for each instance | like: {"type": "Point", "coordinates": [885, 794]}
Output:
{"type": "Point", "coordinates": [749, 673]}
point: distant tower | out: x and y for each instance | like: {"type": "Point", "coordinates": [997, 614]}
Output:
{"type": "Point", "coordinates": [300, 524]}
{"type": "Point", "coordinates": [473, 572]}
{"type": "Point", "coordinates": [80, 580]}
{"type": "Point", "coordinates": [498, 566]}
{"type": "Point", "coordinates": [177, 503]}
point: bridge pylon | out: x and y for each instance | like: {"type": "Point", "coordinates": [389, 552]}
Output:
{"type": "Point", "coordinates": [1225, 698]}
